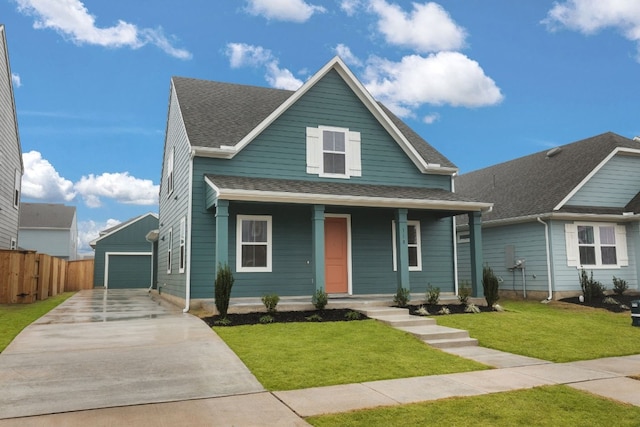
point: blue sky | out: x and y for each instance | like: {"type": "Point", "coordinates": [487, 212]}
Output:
{"type": "Point", "coordinates": [483, 81]}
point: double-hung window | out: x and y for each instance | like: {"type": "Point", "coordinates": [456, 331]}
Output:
{"type": "Point", "coordinates": [414, 245]}
{"type": "Point", "coordinates": [596, 245]}
{"type": "Point", "coordinates": [183, 233]}
{"type": "Point", "coordinates": [170, 161]}
{"type": "Point", "coordinates": [334, 154]}
{"type": "Point", "coordinates": [16, 189]}
{"type": "Point", "coordinates": [169, 250]}
{"type": "Point", "coordinates": [254, 241]}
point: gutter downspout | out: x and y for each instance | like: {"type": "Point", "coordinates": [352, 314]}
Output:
{"type": "Point", "coordinates": [187, 243]}
{"type": "Point", "coordinates": [455, 241]}
{"type": "Point", "coordinates": [546, 240]}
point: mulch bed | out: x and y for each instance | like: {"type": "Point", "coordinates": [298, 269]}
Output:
{"type": "Point", "coordinates": [598, 302]}
{"type": "Point", "coordinates": [326, 315]}
{"type": "Point", "coordinates": [434, 309]}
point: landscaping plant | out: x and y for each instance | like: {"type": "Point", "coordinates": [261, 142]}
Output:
{"type": "Point", "coordinates": [591, 289]}
{"type": "Point", "coordinates": [402, 297]}
{"type": "Point", "coordinates": [223, 285]}
{"type": "Point", "coordinates": [490, 285]}
{"type": "Point", "coordinates": [619, 285]}
{"type": "Point", "coordinates": [433, 295]}
{"type": "Point", "coordinates": [320, 299]}
{"type": "Point", "coordinates": [464, 293]}
{"type": "Point", "coordinates": [270, 302]}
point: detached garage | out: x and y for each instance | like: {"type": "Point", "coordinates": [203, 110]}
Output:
{"type": "Point", "coordinates": [124, 258]}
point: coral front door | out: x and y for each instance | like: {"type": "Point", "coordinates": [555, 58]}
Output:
{"type": "Point", "coordinates": [336, 267]}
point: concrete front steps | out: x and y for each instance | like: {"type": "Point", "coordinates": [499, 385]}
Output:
{"type": "Point", "coordinates": [425, 328]}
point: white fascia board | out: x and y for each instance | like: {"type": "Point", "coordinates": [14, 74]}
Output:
{"type": "Point", "coordinates": [560, 216]}
{"type": "Point", "coordinates": [617, 150]}
{"type": "Point", "coordinates": [336, 199]}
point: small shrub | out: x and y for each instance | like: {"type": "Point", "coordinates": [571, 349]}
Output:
{"type": "Point", "coordinates": [422, 311]}
{"type": "Point", "coordinates": [498, 307]}
{"type": "Point", "coordinates": [222, 292]}
{"type": "Point", "coordinates": [490, 285]}
{"type": "Point", "coordinates": [352, 315]}
{"type": "Point", "coordinates": [444, 310]}
{"type": "Point", "coordinates": [271, 302]}
{"type": "Point", "coordinates": [314, 318]}
{"type": "Point", "coordinates": [610, 301]}
{"type": "Point", "coordinates": [222, 322]}
{"type": "Point", "coordinates": [402, 297]}
{"type": "Point", "coordinates": [591, 289]}
{"type": "Point", "coordinates": [464, 293]}
{"type": "Point", "coordinates": [320, 299]}
{"type": "Point", "coordinates": [472, 308]}
{"type": "Point", "coordinates": [267, 318]}
{"type": "Point", "coordinates": [433, 295]}
{"type": "Point", "coordinates": [619, 285]}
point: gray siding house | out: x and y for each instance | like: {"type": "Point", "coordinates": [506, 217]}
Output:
{"type": "Point", "coordinates": [124, 257]}
{"type": "Point", "coordinates": [11, 167]}
{"type": "Point", "coordinates": [321, 188]}
{"type": "Point", "coordinates": [49, 228]}
{"type": "Point", "coordinates": [558, 211]}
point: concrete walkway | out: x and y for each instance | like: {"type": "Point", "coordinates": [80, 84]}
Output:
{"type": "Point", "coordinates": [121, 358]}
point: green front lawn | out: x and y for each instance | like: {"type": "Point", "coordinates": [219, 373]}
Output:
{"type": "Point", "coordinates": [15, 317]}
{"type": "Point", "coordinates": [558, 332]}
{"type": "Point", "coordinates": [542, 406]}
{"type": "Point", "coordinates": [288, 356]}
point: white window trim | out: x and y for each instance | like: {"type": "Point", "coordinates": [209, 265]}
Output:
{"type": "Point", "coordinates": [169, 250]}
{"type": "Point", "coordinates": [170, 174]}
{"type": "Point", "coordinates": [182, 251]}
{"type": "Point", "coordinates": [418, 245]}
{"type": "Point", "coordinates": [315, 151]}
{"type": "Point", "coordinates": [16, 189]}
{"type": "Point", "coordinates": [268, 268]}
{"type": "Point", "coordinates": [573, 248]}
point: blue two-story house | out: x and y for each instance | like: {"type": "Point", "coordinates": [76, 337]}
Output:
{"type": "Point", "coordinates": [321, 188]}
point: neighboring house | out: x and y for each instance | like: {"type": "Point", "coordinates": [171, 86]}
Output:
{"type": "Point", "coordinates": [318, 189]}
{"type": "Point", "coordinates": [11, 167]}
{"type": "Point", "coordinates": [124, 258]}
{"type": "Point", "coordinates": [49, 228]}
{"type": "Point", "coordinates": [558, 211]}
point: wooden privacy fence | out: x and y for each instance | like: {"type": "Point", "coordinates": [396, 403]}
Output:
{"type": "Point", "coordinates": [27, 276]}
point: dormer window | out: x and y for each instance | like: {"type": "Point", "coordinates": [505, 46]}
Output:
{"type": "Point", "coordinates": [333, 152]}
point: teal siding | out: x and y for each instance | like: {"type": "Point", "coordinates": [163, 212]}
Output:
{"type": "Point", "coordinates": [528, 242]}
{"type": "Point", "coordinates": [129, 271]}
{"type": "Point", "coordinates": [130, 238]}
{"type": "Point", "coordinates": [613, 186]}
{"type": "Point", "coordinates": [566, 279]}
{"type": "Point", "coordinates": [174, 206]}
{"type": "Point", "coordinates": [280, 151]}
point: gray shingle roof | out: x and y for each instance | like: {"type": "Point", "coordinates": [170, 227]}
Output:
{"type": "Point", "coordinates": [46, 215]}
{"type": "Point", "coordinates": [337, 188]}
{"type": "Point", "coordinates": [217, 114]}
{"type": "Point", "coordinates": [535, 184]}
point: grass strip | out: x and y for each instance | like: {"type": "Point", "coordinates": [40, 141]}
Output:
{"type": "Point", "coordinates": [288, 356]}
{"type": "Point", "coordinates": [15, 317]}
{"type": "Point", "coordinates": [542, 406]}
{"type": "Point", "coordinates": [557, 332]}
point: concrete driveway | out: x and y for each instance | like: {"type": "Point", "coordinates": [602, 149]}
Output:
{"type": "Point", "coordinates": [106, 349]}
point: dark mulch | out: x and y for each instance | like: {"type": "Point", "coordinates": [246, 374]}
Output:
{"type": "Point", "coordinates": [326, 315]}
{"type": "Point", "coordinates": [434, 309]}
{"type": "Point", "coordinates": [597, 302]}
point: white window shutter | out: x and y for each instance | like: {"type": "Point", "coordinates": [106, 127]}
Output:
{"type": "Point", "coordinates": [571, 240]}
{"type": "Point", "coordinates": [314, 150]}
{"type": "Point", "coordinates": [621, 246]}
{"type": "Point", "coordinates": [355, 163]}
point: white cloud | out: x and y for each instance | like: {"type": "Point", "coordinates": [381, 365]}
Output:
{"type": "Point", "coordinates": [283, 10]}
{"type": "Point", "coordinates": [89, 231]}
{"type": "Point", "coordinates": [589, 17]}
{"type": "Point", "coordinates": [431, 118]}
{"type": "Point", "coordinates": [444, 78]}
{"type": "Point", "coordinates": [15, 78]}
{"type": "Point", "coordinates": [72, 19]}
{"type": "Point", "coordinates": [41, 180]}
{"type": "Point", "coordinates": [345, 53]}
{"type": "Point", "coordinates": [122, 187]}
{"type": "Point", "coordinates": [428, 28]}
{"type": "Point", "coordinates": [350, 7]}
{"type": "Point", "coordinates": [245, 55]}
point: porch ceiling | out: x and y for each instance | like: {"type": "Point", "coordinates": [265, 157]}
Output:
{"type": "Point", "coordinates": [339, 193]}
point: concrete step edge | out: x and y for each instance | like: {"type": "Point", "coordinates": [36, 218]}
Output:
{"type": "Point", "coordinates": [451, 343]}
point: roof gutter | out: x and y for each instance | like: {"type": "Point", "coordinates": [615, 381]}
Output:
{"type": "Point", "coordinates": [547, 250]}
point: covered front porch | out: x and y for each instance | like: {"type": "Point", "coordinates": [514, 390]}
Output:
{"type": "Point", "coordinates": [279, 236]}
